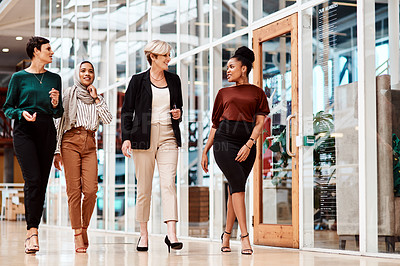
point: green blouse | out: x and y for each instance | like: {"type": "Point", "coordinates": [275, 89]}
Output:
{"type": "Point", "coordinates": [26, 93]}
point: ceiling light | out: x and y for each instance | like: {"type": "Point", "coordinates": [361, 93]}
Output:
{"type": "Point", "coordinates": [18, 38]}
{"type": "Point", "coordinates": [5, 50]}
{"type": "Point", "coordinates": [230, 25]}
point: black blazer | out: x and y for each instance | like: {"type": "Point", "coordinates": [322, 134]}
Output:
{"type": "Point", "coordinates": [136, 110]}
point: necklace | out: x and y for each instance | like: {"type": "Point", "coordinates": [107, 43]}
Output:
{"type": "Point", "coordinates": [40, 80]}
{"type": "Point", "coordinates": [157, 79]}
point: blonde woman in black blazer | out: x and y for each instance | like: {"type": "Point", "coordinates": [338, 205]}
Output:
{"type": "Point", "coordinates": [150, 118]}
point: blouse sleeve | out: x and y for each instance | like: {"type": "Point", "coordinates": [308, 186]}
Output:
{"type": "Point", "coordinates": [262, 108]}
{"type": "Point", "coordinates": [217, 110]}
{"type": "Point", "coordinates": [103, 112]}
{"type": "Point", "coordinates": [60, 132]}
{"type": "Point", "coordinates": [128, 110]}
{"type": "Point", "coordinates": [59, 110]}
{"type": "Point", "coordinates": [10, 107]}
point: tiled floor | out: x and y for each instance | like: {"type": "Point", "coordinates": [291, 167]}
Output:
{"type": "Point", "coordinates": [56, 248]}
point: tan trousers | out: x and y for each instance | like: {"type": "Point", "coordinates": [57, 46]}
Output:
{"type": "Point", "coordinates": [164, 150]}
{"type": "Point", "coordinates": [78, 151]}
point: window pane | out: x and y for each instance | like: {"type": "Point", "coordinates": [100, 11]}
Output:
{"type": "Point", "coordinates": [388, 124]}
{"type": "Point", "coordinates": [330, 115]}
{"type": "Point", "coordinates": [263, 8]}
{"type": "Point", "coordinates": [117, 41]}
{"type": "Point", "coordinates": [164, 21]}
{"type": "Point", "coordinates": [195, 78]}
{"type": "Point", "coordinates": [194, 24]}
{"type": "Point", "coordinates": [229, 16]}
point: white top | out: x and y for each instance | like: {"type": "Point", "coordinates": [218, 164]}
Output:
{"type": "Point", "coordinates": [160, 106]}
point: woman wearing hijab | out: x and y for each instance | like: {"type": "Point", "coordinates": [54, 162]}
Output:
{"type": "Point", "coordinates": [33, 100]}
{"type": "Point", "coordinates": [76, 148]}
{"type": "Point", "coordinates": [238, 118]}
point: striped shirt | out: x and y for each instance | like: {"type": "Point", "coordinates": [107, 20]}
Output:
{"type": "Point", "coordinates": [88, 116]}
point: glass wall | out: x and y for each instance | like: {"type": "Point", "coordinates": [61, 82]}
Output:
{"type": "Point", "coordinates": [330, 108]}
{"type": "Point", "coordinates": [387, 73]}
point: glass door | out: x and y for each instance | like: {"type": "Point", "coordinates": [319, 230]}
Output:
{"type": "Point", "coordinates": [276, 213]}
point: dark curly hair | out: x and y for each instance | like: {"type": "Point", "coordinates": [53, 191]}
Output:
{"type": "Point", "coordinates": [245, 56]}
{"type": "Point", "coordinates": [35, 42]}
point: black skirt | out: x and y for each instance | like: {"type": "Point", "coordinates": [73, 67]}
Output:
{"type": "Point", "coordinates": [229, 139]}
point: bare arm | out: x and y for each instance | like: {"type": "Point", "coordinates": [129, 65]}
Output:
{"type": "Point", "coordinates": [210, 142]}
{"type": "Point", "coordinates": [245, 150]}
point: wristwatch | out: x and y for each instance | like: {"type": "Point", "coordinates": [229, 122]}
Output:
{"type": "Point", "coordinates": [253, 140]}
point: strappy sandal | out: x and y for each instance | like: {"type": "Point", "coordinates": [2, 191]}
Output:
{"type": "Point", "coordinates": [79, 249]}
{"type": "Point", "coordinates": [85, 237]}
{"type": "Point", "coordinates": [29, 250]}
{"type": "Point", "coordinates": [36, 247]}
{"type": "Point", "coordinates": [246, 249]}
{"type": "Point", "coordinates": [227, 248]}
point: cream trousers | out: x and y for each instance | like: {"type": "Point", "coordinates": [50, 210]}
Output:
{"type": "Point", "coordinates": [164, 150]}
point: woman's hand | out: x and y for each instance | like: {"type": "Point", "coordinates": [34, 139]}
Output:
{"type": "Point", "coordinates": [176, 113]}
{"type": "Point", "coordinates": [204, 162]}
{"type": "Point", "coordinates": [126, 148]}
{"type": "Point", "coordinates": [54, 95]}
{"type": "Point", "coordinates": [243, 153]}
{"type": "Point", "coordinates": [28, 117]}
{"type": "Point", "coordinates": [93, 92]}
{"type": "Point", "coordinates": [58, 162]}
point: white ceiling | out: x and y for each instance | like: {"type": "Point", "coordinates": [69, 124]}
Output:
{"type": "Point", "coordinates": [17, 18]}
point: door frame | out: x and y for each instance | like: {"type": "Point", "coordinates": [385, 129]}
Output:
{"type": "Point", "coordinates": [276, 234]}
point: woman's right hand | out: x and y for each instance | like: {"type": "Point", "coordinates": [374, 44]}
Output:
{"type": "Point", "coordinates": [126, 148]}
{"type": "Point", "coordinates": [28, 117]}
{"type": "Point", "coordinates": [204, 162]}
{"type": "Point", "coordinates": [58, 162]}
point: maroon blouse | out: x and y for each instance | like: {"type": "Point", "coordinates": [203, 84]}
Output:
{"type": "Point", "coordinates": [239, 103]}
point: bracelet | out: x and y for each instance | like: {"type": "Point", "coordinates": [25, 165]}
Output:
{"type": "Point", "coordinates": [247, 146]}
{"type": "Point", "coordinates": [253, 140]}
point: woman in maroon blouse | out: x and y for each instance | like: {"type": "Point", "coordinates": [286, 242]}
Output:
{"type": "Point", "coordinates": [238, 118]}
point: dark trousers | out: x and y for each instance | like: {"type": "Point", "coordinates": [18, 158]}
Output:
{"type": "Point", "coordinates": [34, 145]}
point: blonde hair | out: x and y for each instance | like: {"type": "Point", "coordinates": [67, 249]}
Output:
{"type": "Point", "coordinates": [156, 47]}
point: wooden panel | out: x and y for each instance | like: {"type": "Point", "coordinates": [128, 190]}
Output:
{"type": "Point", "coordinates": [274, 235]}
{"type": "Point", "coordinates": [295, 131]}
{"type": "Point", "coordinates": [271, 234]}
{"type": "Point", "coordinates": [274, 30]}
{"type": "Point", "coordinates": [257, 170]}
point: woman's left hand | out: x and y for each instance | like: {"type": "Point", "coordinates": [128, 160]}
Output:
{"type": "Point", "coordinates": [54, 95]}
{"type": "Point", "coordinates": [242, 154]}
{"type": "Point", "coordinates": [176, 114]}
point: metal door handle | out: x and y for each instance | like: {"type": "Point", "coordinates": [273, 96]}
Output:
{"type": "Point", "coordinates": [288, 137]}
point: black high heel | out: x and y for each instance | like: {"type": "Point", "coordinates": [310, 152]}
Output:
{"type": "Point", "coordinates": [141, 248]}
{"type": "Point", "coordinates": [176, 245]}
{"type": "Point", "coordinates": [246, 249]}
{"type": "Point", "coordinates": [225, 249]}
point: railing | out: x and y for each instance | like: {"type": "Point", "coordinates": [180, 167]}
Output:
{"type": "Point", "coordinates": [382, 67]}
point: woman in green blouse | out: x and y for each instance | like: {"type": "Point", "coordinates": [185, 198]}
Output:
{"type": "Point", "coordinates": [33, 100]}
